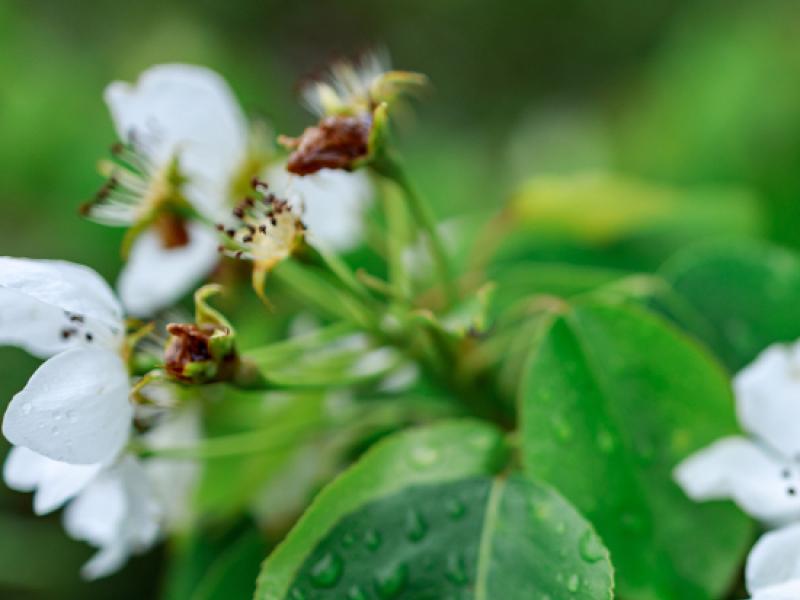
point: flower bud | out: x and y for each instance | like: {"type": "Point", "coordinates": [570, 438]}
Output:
{"type": "Point", "coordinates": [200, 353]}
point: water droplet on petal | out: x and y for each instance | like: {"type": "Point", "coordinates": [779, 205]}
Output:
{"type": "Point", "coordinates": [27, 408]}
{"type": "Point", "coordinates": [327, 571]}
{"type": "Point", "coordinates": [590, 548]}
{"type": "Point", "coordinates": [416, 528]}
{"type": "Point", "coordinates": [390, 583]}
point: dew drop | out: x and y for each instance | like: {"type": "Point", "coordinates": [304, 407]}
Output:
{"type": "Point", "coordinates": [27, 408]}
{"type": "Point", "coordinates": [356, 593]}
{"type": "Point", "coordinates": [327, 571]}
{"type": "Point", "coordinates": [456, 570]}
{"type": "Point", "coordinates": [372, 539]}
{"type": "Point", "coordinates": [590, 548]}
{"type": "Point", "coordinates": [455, 508]}
{"type": "Point", "coordinates": [416, 528]}
{"type": "Point", "coordinates": [390, 583]}
{"type": "Point", "coordinates": [573, 583]}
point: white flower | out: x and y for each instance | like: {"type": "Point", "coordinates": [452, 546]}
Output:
{"type": "Point", "coordinates": [117, 512]}
{"type": "Point", "coordinates": [760, 473]}
{"type": "Point", "coordinates": [174, 480]}
{"type": "Point", "coordinates": [53, 482]}
{"type": "Point", "coordinates": [332, 202]}
{"type": "Point", "coordinates": [773, 567]}
{"type": "Point", "coordinates": [187, 145]}
{"type": "Point", "coordinates": [75, 407]}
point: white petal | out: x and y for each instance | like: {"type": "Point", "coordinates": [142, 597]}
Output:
{"type": "Point", "coordinates": [155, 277]}
{"type": "Point", "coordinates": [189, 110]}
{"type": "Point", "coordinates": [785, 591]}
{"type": "Point", "coordinates": [774, 560]}
{"type": "Point", "coordinates": [173, 481]}
{"type": "Point", "coordinates": [40, 300]}
{"type": "Point", "coordinates": [768, 398]}
{"type": "Point", "coordinates": [116, 512]}
{"type": "Point", "coordinates": [74, 408]}
{"type": "Point", "coordinates": [54, 482]}
{"type": "Point", "coordinates": [97, 515]}
{"type": "Point", "coordinates": [106, 561]}
{"type": "Point", "coordinates": [761, 484]}
{"type": "Point", "coordinates": [334, 203]}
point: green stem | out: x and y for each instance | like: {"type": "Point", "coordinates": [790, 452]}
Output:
{"type": "Point", "coordinates": [426, 221]}
{"type": "Point", "coordinates": [396, 239]}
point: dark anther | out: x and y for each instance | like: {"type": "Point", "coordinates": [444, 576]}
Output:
{"type": "Point", "coordinates": [274, 222]}
{"type": "Point", "coordinates": [68, 332]}
{"type": "Point", "coordinates": [89, 337]}
{"type": "Point", "coordinates": [230, 233]}
{"type": "Point", "coordinates": [247, 239]}
{"type": "Point", "coordinates": [76, 318]}
{"type": "Point", "coordinates": [239, 254]}
{"type": "Point", "coordinates": [791, 491]}
{"type": "Point", "coordinates": [219, 227]}
{"type": "Point", "coordinates": [238, 212]}
{"type": "Point", "coordinates": [262, 228]}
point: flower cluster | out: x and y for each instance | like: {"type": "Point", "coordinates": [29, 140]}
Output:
{"type": "Point", "coordinates": [188, 179]}
{"type": "Point", "coordinates": [760, 472]}
{"type": "Point", "coordinates": [72, 422]}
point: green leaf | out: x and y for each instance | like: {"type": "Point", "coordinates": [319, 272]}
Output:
{"type": "Point", "coordinates": [747, 293]}
{"type": "Point", "coordinates": [612, 399]}
{"type": "Point", "coordinates": [599, 207]}
{"type": "Point", "coordinates": [421, 517]}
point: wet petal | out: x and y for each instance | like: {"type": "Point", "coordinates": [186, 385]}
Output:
{"type": "Point", "coordinates": [54, 482]}
{"type": "Point", "coordinates": [47, 306]}
{"type": "Point", "coordinates": [155, 277]}
{"type": "Point", "coordinates": [768, 398]}
{"type": "Point", "coordinates": [335, 202]}
{"type": "Point", "coordinates": [74, 408]}
{"type": "Point", "coordinates": [761, 484]}
{"type": "Point", "coordinates": [184, 109]}
{"type": "Point", "coordinates": [774, 560]}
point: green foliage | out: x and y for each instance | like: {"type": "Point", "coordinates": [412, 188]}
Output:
{"type": "Point", "coordinates": [420, 517]}
{"type": "Point", "coordinates": [745, 296]}
{"type": "Point", "coordinates": [611, 401]}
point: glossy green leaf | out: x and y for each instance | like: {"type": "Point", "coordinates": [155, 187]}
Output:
{"type": "Point", "coordinates": [746, 294]}
{"type": "Point", "coordinates": [421, 517]}
{"type": "Point", "coordinates": [612, 399]}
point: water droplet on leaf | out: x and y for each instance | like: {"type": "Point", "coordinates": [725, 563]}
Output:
{"type": "Point", "coordinates": [372, 539]}
{"type": "Point", "coordinates": [455, 508]}
{"type": "Point", "coordinates": [416, 528]}
{"type": "Point", "coordinates": [590, 548]}
{"type": "Point", "coordinates": [391, 582]}
{"type": "Point", "coordinates": [456, 570]}
{"type": "Point", "coordinates": [573, 583]}
{"type": "Point", "coordinates": [327, 571]}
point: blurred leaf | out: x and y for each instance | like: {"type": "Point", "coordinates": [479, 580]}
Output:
{"type": "Point", "coordinates": [598, 208]}
{"type": "Point", "coordinates": [611, 401]}
{"type": "Point", "coordinates": [747, 293]}
{"type": "Point", "coordinates": [418, 518]}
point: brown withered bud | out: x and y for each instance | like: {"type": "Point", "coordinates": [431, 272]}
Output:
{"type": "Point", "coordinates": [171, 230]}
{"type": "Point", "coordinates": [191, 357]}
{"type": "Point", "coordinates": [334, 143]}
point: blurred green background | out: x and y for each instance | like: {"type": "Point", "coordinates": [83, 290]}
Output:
{"type": "Point", "coordinates": [677, 92]}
